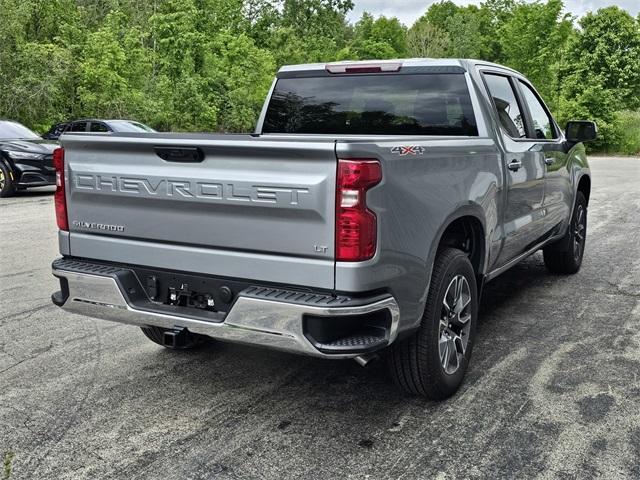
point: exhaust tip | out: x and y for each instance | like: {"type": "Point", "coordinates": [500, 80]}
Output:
{"type": "Point", "coordinates": [364, 360]}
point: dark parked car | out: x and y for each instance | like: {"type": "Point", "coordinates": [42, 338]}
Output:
{"type": "Point", "coordinates": [26, 159]}
{"type": "Point", "coordinates": [96, 126]}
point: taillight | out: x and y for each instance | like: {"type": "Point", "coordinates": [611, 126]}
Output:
{"type": "Point", "coordinates": [59, 197]}
{"type": "Point", "coordinates": [356, 226]}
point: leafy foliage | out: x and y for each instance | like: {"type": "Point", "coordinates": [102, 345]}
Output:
{"type": "Point", "coordinates": [628, 142]}
{"type": "Point", "coordinates": [207, 64]}
{"type": "Point", "coordinates": [605, 79]}
{"type": "Point", "coordinates": [532, 38]}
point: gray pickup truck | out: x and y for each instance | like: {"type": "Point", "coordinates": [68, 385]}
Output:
{"type": "Point", "coordinates": [361, 219]}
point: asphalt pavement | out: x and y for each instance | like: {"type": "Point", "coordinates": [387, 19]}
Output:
{"type": "Point", "coordinates": [553, 389]}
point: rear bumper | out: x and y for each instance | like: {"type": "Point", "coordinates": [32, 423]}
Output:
{"type": "Point", "coordinates": [258, 319]}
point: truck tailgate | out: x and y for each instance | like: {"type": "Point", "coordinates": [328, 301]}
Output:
{"type": "Point", "coordinates": [252, 207]}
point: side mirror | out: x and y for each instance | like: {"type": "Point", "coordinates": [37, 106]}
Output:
{"type": "Point", "coordinates": [579, 131]}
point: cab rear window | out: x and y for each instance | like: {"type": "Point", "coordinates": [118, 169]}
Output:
{"type": "Point", "coordinates": [414, 104]}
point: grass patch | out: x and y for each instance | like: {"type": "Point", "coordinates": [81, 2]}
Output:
{"type": "Point", "coordinates": [7, 465]}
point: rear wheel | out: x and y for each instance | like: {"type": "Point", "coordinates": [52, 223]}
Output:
{"type": "Point", "coordinates": [568, 259]}
{"type": "Point", "coordinates": [7, 187]}
{"type": "Point", "coordinates": [433, 361]}
{"type": "Point", "coordinates": [184, 340]}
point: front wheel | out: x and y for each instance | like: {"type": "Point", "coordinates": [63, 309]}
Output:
{"type": "Point", "coordinates": [7, 187]}
{"type": "Point", "coordinates": [568, 259]}
{"type": "Point", "coordinates": [433, 361]}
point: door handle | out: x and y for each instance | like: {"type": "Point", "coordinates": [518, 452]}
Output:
{"type": "Point", "coordinates": [514, 165]}
{"type": "Point", "coordinates": [549, 161]}
{"type": "Point", "coordinates": [180, 154]}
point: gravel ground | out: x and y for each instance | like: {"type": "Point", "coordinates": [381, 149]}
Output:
{"type": "Point", "coordinates": [553, 389]}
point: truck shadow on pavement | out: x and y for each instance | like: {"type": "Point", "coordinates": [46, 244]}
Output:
{"type": "Point", "coordinates": [231, 407]}
{"type": "Point", "coordinates": [226, 387]}
{"type": "Point", "coordinates": [253, 368]}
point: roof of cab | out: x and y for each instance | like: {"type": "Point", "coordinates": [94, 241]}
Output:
{"type": "Point", "coordinates": [405, 62]}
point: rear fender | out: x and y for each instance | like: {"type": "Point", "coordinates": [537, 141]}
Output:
{"type": "Point", "coordinates": [471, 210]}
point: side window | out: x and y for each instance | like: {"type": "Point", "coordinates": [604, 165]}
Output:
{"type": "Point", "coordinates": [506, 104]}
{"type": "Point", "coordinates": [542, 124]}
{"type": "Point", "coordinates": [98, 127]}
{"type": "Point", "coordinates": [78, 127]}
{"type": "Point", "coordinates": [56, 130]}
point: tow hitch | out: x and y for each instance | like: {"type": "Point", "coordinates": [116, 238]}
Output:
{"type": "Point", "coordinates": [177, 338]}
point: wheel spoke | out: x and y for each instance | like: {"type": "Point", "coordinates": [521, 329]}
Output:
{"type": "Point", "coordinates": [447, 308]}
{"type": "Point", "coordinates": [462, 304]}
{"type": "Point", "coordinates": [444, 352]}
{"type": "Point", "coordinates": [460, 348]}
{"type": "Point", "coordinates": [453, 355]}
{"type": "Point", "coordinates": [450, 295]}
{"type": "Point", "coordinates": [459, 285]}
{"type": "Point", "coordinates": [579, 224]}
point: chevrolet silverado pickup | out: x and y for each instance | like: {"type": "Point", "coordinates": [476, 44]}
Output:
{"type": "Point", "coordinates": [360, 220]}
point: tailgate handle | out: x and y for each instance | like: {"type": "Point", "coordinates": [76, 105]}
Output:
{"type": "Point", "coordinates": [180, 154]}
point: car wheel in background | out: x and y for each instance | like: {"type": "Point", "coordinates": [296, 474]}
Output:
{"type": "Point", "coordinates": [7, 187]}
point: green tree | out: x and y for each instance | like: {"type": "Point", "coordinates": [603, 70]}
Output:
{"type": "Point", "coordinates": [113, 70]}
{"type": "Point", "coordinates": [469, 27]}
{"type": "Point", "coordinates": [533, 40]}
{"type": "Point", "coordinates": [373, 38]}
{"type": "Point", "coordinates": [310, 30]}
{"type": "Point", "coordinates": [317, 18]}
{"type": "Point", "coordinates": [383, 30]}
{"type": "Point", "coordinates": [464, 32]}
{"type": "Point", "coordinates": [606, 50]}
{"type": "Point", "coordinates": [242, 74]}
{"type": "Point", "coordinates": [425, 40]}
{"type": "Point", "coordinates": [37, 95]}
{"type": "Point", "coordinates": [602, 74]}
{"type": "Point", "coordinates": [439, 13]}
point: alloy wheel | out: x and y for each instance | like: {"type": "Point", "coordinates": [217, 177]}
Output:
{"type": "Point", "coordinates": [455, 323]}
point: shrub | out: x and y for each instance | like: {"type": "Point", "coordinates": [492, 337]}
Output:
{"type": "Point", "coordinates": [628, 125]}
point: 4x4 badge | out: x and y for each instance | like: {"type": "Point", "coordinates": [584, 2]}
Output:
{"type": "Point", "coordinates": [403, 150]}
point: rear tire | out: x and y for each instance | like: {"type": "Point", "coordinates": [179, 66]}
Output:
{"type": "Point", "coordinates": [156, 335]}
{"type": "Point", "coordinates": [7, 187]}
{"type": "Point", "coordinates": [568, 258]}
{"type": "Point", "coordinates": [433, 361]}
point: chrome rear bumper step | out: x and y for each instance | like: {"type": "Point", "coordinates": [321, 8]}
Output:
{"type": "Point", "coordinates": [265, 317]}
